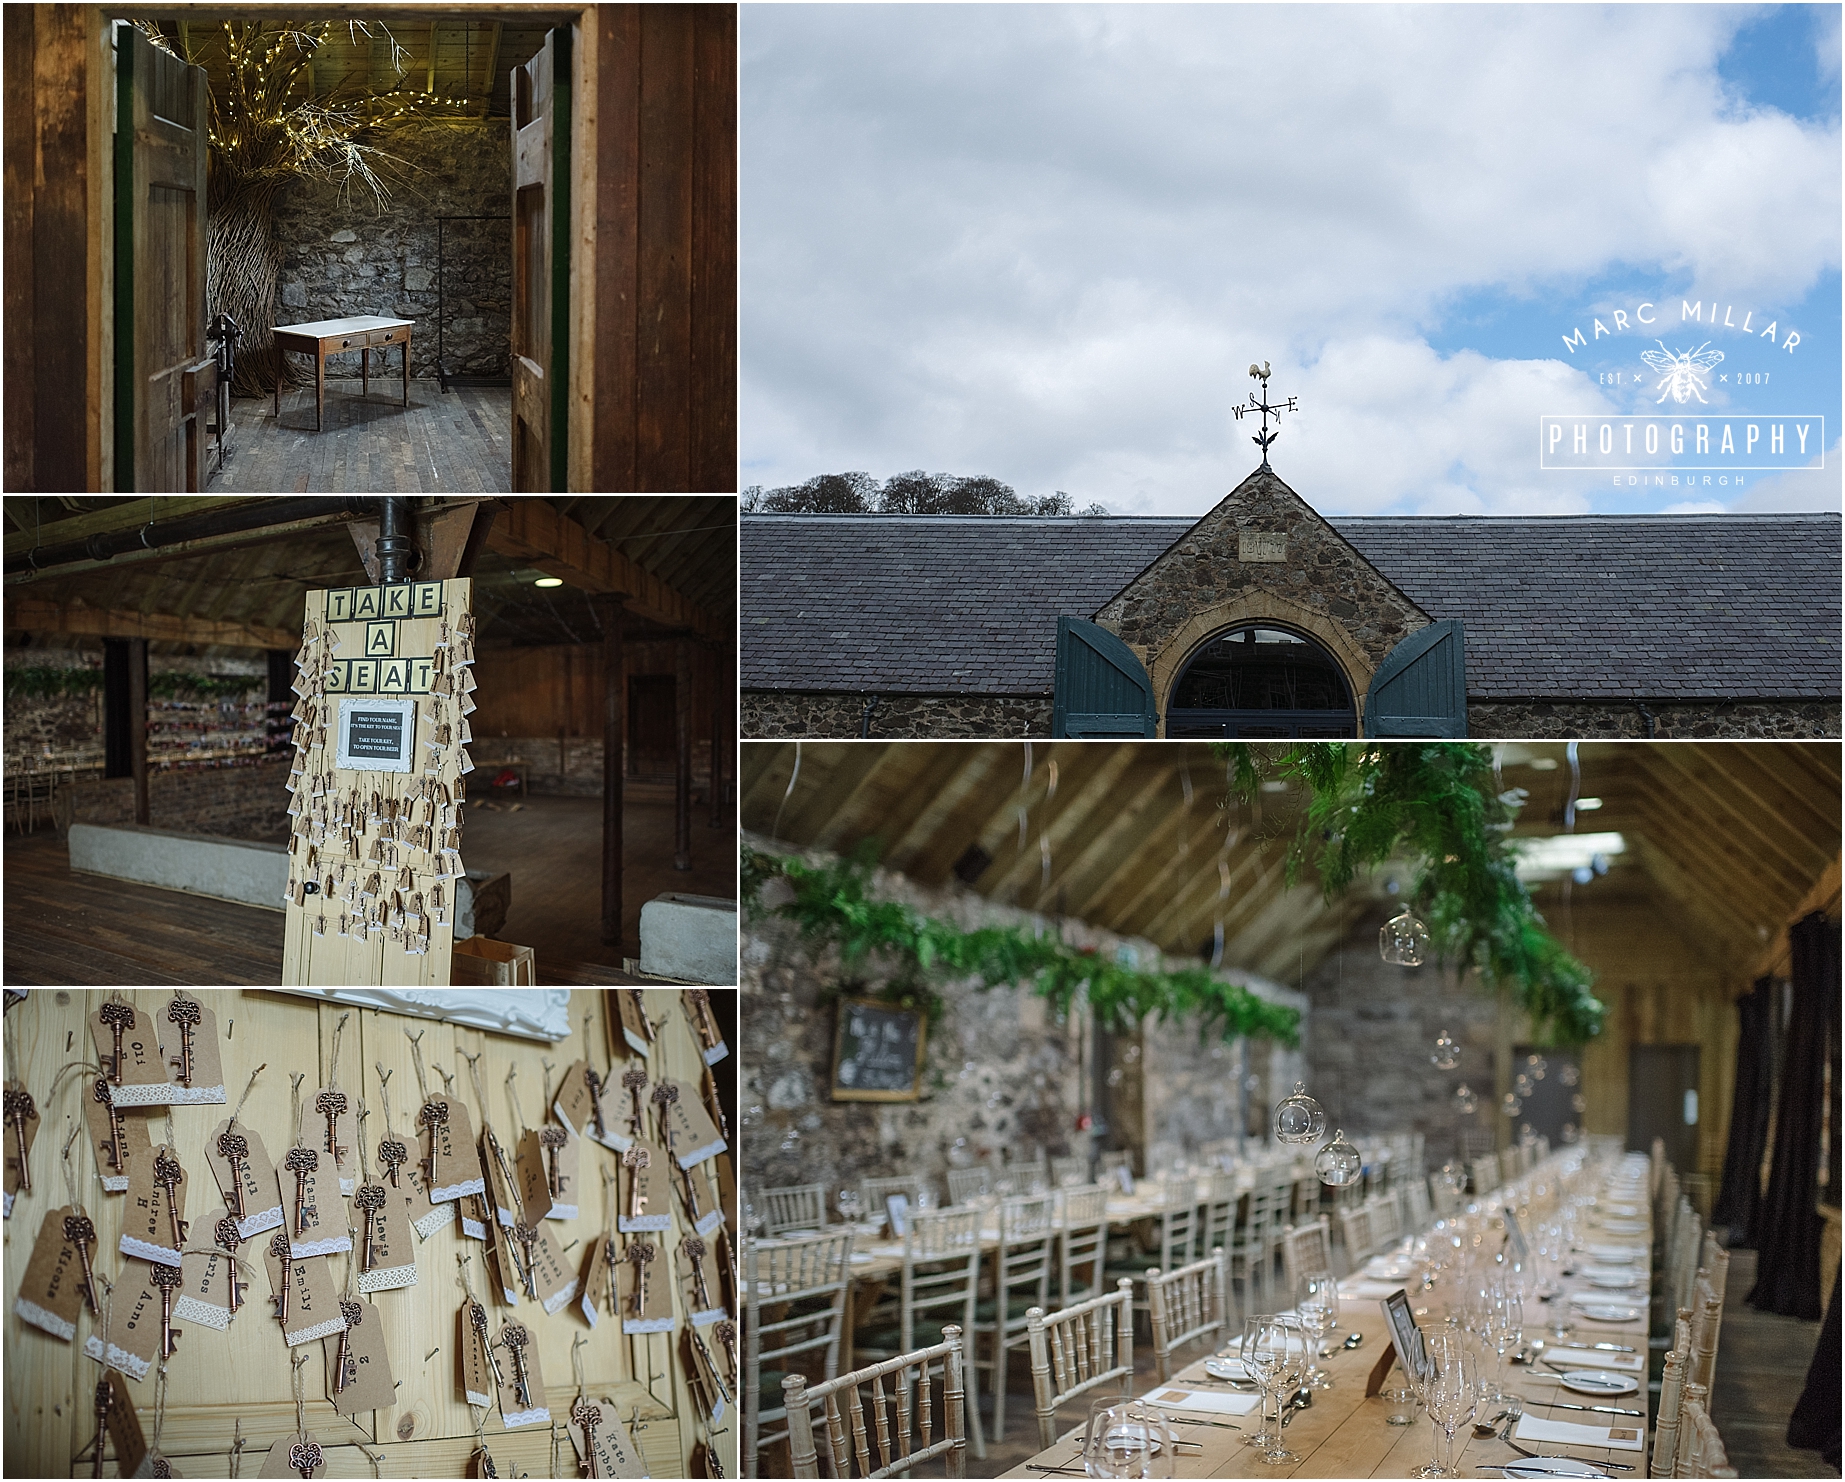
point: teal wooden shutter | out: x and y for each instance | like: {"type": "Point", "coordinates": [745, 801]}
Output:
{"type": "Point", "coordinates": [1421, 687]}
{"type": "Point", "coordinates": [1101, 688]}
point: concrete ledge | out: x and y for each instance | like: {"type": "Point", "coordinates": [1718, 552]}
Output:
{"type": "Point", "coordinates": [239, 870]}
{"type": "Point", "coordinates": [690, 938]}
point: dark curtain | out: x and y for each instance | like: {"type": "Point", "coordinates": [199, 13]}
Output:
{"type": "Point", "coordinates": [1788, 1230]}
{"type": "Point", "coordinates": [1749, 1109]}
{"type": "Point", "coordinates": [1814, 1425]}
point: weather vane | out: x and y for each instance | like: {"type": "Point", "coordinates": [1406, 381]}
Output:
{"type": "Point", "coordinates": [1260, 403]}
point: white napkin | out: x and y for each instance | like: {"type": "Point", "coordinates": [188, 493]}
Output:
{"type": "Point", "coordinates": [1178, 1397]}
{"type": "Point", "coordinates": [1627, 1362]}
{"type": "Point", "coordinates": [1568, 1433]}
{"type": "Point", "coordinates": [1368, 1291]}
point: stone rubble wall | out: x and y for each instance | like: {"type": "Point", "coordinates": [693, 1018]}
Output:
{"type": "Point", "coordinates": [342, 254]}
{"type": "Point", "coordinates": [1535, 720]}
{"type": "Point", "coordinates": [787, 714]}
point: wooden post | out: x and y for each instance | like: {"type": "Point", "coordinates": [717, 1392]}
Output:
{"type": "Point", "coordinates": [718, 697]}
{"type": "Point", "coordinates": [614, 729]}
{"type": "Point", "coordinates": [137, 725]}
{"type": "Point", "coordinates": [682, 748]}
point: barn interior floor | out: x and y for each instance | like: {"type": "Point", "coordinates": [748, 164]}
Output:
{"type": "Point", "coordinates": [456, 441]}
{"type": "Point", "coordinates": [68, 929]}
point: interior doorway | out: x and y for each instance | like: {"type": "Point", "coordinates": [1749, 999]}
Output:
{"type": "Point", "coordinates": [1662, 1101]}
{"type": "Point", "coordinates": [652, 733]}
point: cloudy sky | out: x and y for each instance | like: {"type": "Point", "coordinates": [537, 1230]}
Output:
{"type": "Point", "coordinates": [1045, 242]}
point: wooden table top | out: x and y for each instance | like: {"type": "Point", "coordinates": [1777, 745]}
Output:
{"type": "Point", "coordinates": [326, 329]}
{"type": "Point", "coordinates": [1343, 1434]}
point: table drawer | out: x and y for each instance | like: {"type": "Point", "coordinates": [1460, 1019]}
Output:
{"type": "Point", "coordinates": [377, 337]}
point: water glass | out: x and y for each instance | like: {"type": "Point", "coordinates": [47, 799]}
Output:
{"type": "Point", "coordinates": [1127, 1440]}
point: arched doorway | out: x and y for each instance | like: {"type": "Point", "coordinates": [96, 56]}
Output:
{"type": "Point", "coordinates": [1257, 681]}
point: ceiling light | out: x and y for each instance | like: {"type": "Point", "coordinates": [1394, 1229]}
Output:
{"type": "Point", "coordinates": [1554, 855]}
{"type": "Point", "coordinates": [1542, 764]}
{"type": "Point", "coordinates": [1587, 805]}
{"type": "Point", "coordinates": [558, 581]}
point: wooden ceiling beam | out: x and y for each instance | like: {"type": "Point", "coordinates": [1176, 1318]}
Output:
{"type": "Point", "coordinates": [1087, 776]}
{"type": "Point", "coordinates": [1731, 797]}
{"type": "Point", "coordinates": [952, 771]}
{"type": "Point", "coordinates": [130, 514]}
{"type": "Point", "coordinates": [34, 615]}
{"type": "Point", "coordinates": [930, 847]}
{"type": "Point", "coordinates": [533, 531]}
{"type": "Point", "coordinates": [765, 769]}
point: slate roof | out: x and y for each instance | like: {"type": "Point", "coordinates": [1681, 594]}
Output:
{"type": "Point", "coordinates": [1615, 607]}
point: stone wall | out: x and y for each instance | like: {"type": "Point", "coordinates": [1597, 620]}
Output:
{"type": "Point", "coordinates": [786, 714]}
{"type": "Point", "coordinates": [342, 254]}
{"type": "Point", "coordinates": [1002, 1072]}
{"type": "Point", "coordinates": [243, 800]}
{"type": "Point", "coordinates": [572, 765]}
{"type": "Point", "coordinates": [1537, 720]}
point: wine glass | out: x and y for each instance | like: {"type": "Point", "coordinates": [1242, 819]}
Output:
{"type": "Point", "coordinates": [1259, 1363]}
{"type": "Point", "coordinates": [1316, 1300]}
{"type": "Point", "coordinates": [849, 1205]}
{"type": "Point", "coordinates": [1128, 1440]}
{"type": "Point", "coordinates": [1511, 1333]}
{"type": "Point", "coordinates": [1452, 1396]}
{"type": "Point", "coordinates": [1281, 1346]}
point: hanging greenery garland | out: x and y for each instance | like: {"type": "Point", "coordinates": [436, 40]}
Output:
{"type": "Point", "coordinates": [1441, 805]}
{"type": "Point", "coordinates": [832, 904]}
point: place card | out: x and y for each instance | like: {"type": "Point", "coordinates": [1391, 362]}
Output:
{"type": "Point", "coordinates": [313, 1304]}
{"type": "Point", "coordinates": [1630, 1363]}
{"type": "Point", "coordinates": [1176, 1397]}
{"type": "Point", "coordinates": [196, 1029]}
{"type": "Point", "coordinates": [147, 1232]}
{"type": "Point", "coordinates": [124, 1427]}
{"type": "Point", "coordinates": [205, 1290]}
{"type": "Point", "coordinates": [51, 1293]}
{"type": "Point", "coordinates": [369, 1385]}
{"type": "Point", "coordinates": [134, 1324]}
{"type": "Point", "coordinates": [251, 1174]}
{"type": "Point", "coordinates": [655, 1313]}
{"type": "Point", "coordinates": [101, 1126]}
{"type": "Point", "coordinates": [142, 1078]}
{"type": "Point", "coordinates": [1568, 1433]}
{"type": "Point", "coordinates": [321, 1210]}
{"type": "Point", "coordinates": [312, 1133]}
{"type": "Point", "coordinates": [594, 1283]}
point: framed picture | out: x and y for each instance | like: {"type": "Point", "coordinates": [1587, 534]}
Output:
{"type": "Point", "coordinates": [877, 1051]}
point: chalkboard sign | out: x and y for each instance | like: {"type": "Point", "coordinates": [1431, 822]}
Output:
{"type": "Point", "coordinates": [877, 1052]}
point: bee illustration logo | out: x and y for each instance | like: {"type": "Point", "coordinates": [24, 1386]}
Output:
{"type": "Point", "coordinates": [1681, 376]}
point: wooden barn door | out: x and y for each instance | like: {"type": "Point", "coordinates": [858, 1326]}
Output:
{"type": "Point", "coordinates": [162, 373]}
{"type": "Point", "coordinates": [541, 267]}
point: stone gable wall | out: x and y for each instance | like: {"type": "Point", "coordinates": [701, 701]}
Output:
{"type": "Point", "coordinates": [1321, 574]}
{"type": "Point", "coordinates": [341, 255]}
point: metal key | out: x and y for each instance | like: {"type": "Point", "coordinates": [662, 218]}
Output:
{"type": "Point", "coordinates": [167, 1174]}
{"type": "Point", "coordinates": [332, 1106]}
{"type": "Point", "coordinates": [100, 1093]}
{"type": "Point", "coordinates": [694, 1249]}
{"type": "Point", "coordinates": [434, 1114]}
{"type": "Point", "coordinates": [229, 1238]}
{"type": "Point", "coordinates": [185, 1013]}
{"type": "Point", "coordinates": [305, 1458]}
{"type": "Point", "coordinates": [118, 1017]}
{"type": "Point", "coordinates": [527, 1236]}
{"type": "Point", "coordinates": [552, 1140]}
{"type": "Point", "coordinates": [477, 1319]}
{"type": "Point", "coordinates": [588, 1417]}
{"type": "Point", "coordinates": [393, 1155]}
{"type": "Point", "coordinates": [726, 1334]}
{"type": "Point", "coordinates": [702, 1019]}
{"type": "Point", "coordinates": [515, 1337]}
{"type": "Point", "coordinates": [104, 1399]}
{"type": "Point", "coordinates": [81, 1233]}
{"type": "Point", "coordinates": [354, 1313]}
{"type": "Point", "coordinates": [278, 1247]}
{"type": "Point", "coordinates": [634, 1081]}
{"type": "Point", "coordinates": [19, 1111]}
{"type": "Point", "coordinates": [636, 1158]}
{"type": "Point", "coordinates": [640, 1011]}
{"type": "Point", "coordinates": [665, 1095]}
{"type": "Point", "coordinates": [594, 1082]}
{"type": "Point", "coordinates": [233, 1147]}
{"type": "Point", "coordinates": [166, 1278]}
{"type": "Point", "coordinates": [369, 1198]}
{"type": "Point", "coordinates": [301, 1162]}
{"type": "Point", "coordinates": [638, 1254]}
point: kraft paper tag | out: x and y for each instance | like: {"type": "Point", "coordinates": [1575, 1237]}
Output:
{"type": "Point", "coordinates": [207, 1084]}
{"type": "Point", "coordinates": [534, 1171]}
{"type": "Point", "coordinates": [52, 1290]}
{"type": "Point", "coordinates": [205, 1293]}
{"type": "Point", "coordinates": [514, 1413]}
{"type": "Point", "coordinates": [705, 1368]}
{"type": "Point", "coordinates": [697, 1003]}
{"type": "Point", "coordinates": [501, 1180]}
{"type": "Point", "coordinates": [708, 1309]}
{"type": "Point", "coordinates": [501, 1268]}
{"type": "Point", "coordinates": [594, 1285]}
{"type": "Point", "coordinates": [616, 1455]}
{"type": "Point", "coordinates": [726, 1182]}
{"type": "Point", "coordinates": [14, 1173]}
{"type": "Point", "coordinates": [529, 1169]}
{"type": "Point", "coordinates": [134, 1324]}
{"type": "Point", "coordinates": [281, 1459]}
{"type": "Point", "coordinates": [551, 1279]}
{"type": "Point", "coordinates": [455, 1169]}
{"type": "Point", "coordinates": [124, 1426]}
{"type": "Point", "coordinates": [587, 1112]}
{"type": "Point", "coordinates": [392, 1262]}
{"type": "Point", "coordinates": [425, 1218]}
{"type": "Point", "coordinates": [636, 1025]}
{"type": "Point", "coordinates": [694, 1136]}
{"type": "Point", "coordinates": [324, 1213]}
{"type": "Point", "coordinates": [143, 1080]}
{"type": "Point", "coordinates": [313, 1302]}
{"type": "Point", "coordinates": [474, 1216]}
{"type": "Point", "coordinates": [135, 1136]}
{"type": "Point", "coordinates": [256, 1179]}
{"type": "Point", "coordinates": [652, 1181]}
{"type": "Point", "coordinates": [655, 1313]}
{"type": "Point", "coordinates": [368, 1371]}
{"type": "Point", "coordinates": [313, 1134]}
{"type": "Point", "coordinates": [147, 1233]}
{"type": "Point", "coordinates": [476, 1373]}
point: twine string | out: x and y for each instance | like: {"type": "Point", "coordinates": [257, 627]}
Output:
{"type": "Point", "coordinates": [246, 1094]}
{"type": "Point", "coordinates": [512, 1096]}
{"type": "Point", "coordinates": [384, 1095]}
{"type": "Point", "coordinates": [416, 1059]}
{"type": "Point", "coordinates": [333, 1070]}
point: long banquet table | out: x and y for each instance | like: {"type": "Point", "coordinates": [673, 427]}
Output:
{"type": "Point", "coordinates": [1343, 1434]}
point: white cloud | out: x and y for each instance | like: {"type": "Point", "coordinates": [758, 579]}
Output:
{"type": "Point", "coordinates": [1044, 242]}
{"type": "Point", "coordinates": [1815, 487]}
{"type": "Point", "coordinates": [1695, 507]}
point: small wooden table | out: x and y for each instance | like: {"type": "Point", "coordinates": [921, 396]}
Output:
{"type": "Point", "coordinates": [324, 337]}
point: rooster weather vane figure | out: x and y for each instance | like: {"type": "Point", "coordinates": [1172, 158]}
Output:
{"type": "Point", "coordinates": [1260, 403]}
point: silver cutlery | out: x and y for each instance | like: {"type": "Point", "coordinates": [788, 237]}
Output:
{"type": "Point", "coordinates": [1618, 1466]}
{"type": "Point", "coordinates": [1598, 1409]}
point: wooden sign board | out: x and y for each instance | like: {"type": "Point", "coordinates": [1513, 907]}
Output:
{"type": "Point", "coordinates": [381, 736]}
{"type": "Point", "coordinates": [877, 1052]}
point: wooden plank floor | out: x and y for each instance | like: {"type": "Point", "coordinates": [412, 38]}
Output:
{"type": "Point", "coordinates": [1762, 1361]}
{"type": "Point", "coordinates": [444, 442]}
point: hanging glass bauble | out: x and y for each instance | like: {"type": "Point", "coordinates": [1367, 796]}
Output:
{"type": "Point", "coordinates": [1338, 1163]}
{"type": "Point", "coordinates": [1570, 1075]}
{"type": "Point", "coordinates": [1537, 1065]}
{"type": "Point", "coordinates": [1403, 939]}
{"type": "Point", "coordinates": [1299, 1118]}
{"type": "Point", "coordinates": [1465, 1100]}
{"type": "Point", "coordinates": [1511, 1106]}
{"type": "Point", "coordinates": [1570, 1134]}
{"type": "Point", "coordinates": [1446, 1052]}
{"type": "Point", "coordinates": [1523, 1086]}
{"type": "Point", "coordinates": [1579, 1103]}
